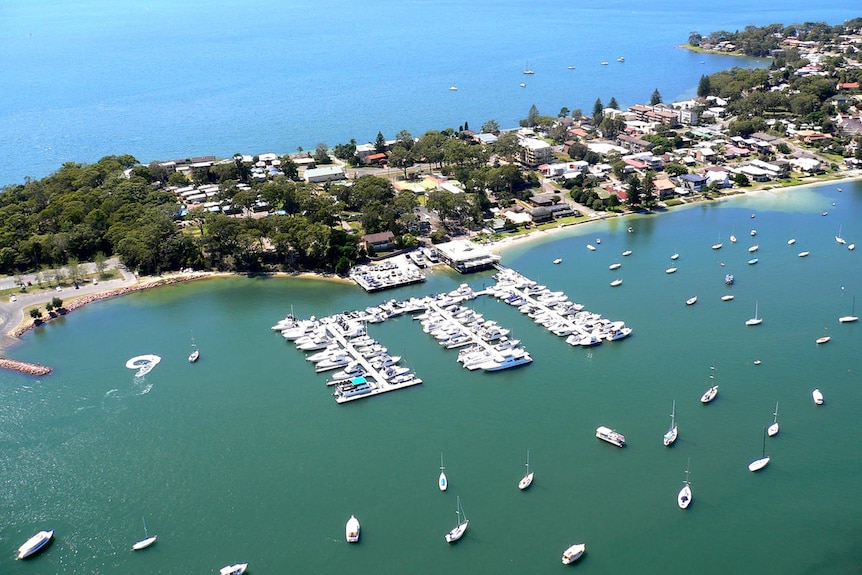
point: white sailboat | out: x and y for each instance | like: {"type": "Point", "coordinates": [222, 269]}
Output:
{"type": "Point", "coordinates": [442, 482]}
{"type": "Point", "coordinates": [460, 527]}
{"type": "Point", "coordinates": [772, 430]}
{"type": "Point", "coordinates": [717, 245]}
{"type": "Point", "coordinates": [852, 317]}
{"type": "Point", "coordinates": [838, 238]}
{"type": "Point", "coordinates": [671, 435]}
{"type": "Point", "coordinates": [146, 541]}
{"type": "Point", "coordinates": [527, 479]}
{"type": "Point", "coordinates": [196, 353]}
{"type": "Point", "coordinates": [683, 498]}
{"type": "Point", "coordinates": [759, 464]}
{"type": "Point", "coordinates": [756, 320]}
{"type": "Point", "coordinates": [824, 338]}
{"type": "Point", "coordinates": [712, 392]}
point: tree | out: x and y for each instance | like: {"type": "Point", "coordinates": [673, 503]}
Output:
{"type": "Point", "coordinates": [36, 314]}
{"type": "Point", "coordinates": [704, 87]}
{"type": "Point", "coordinates": [56, 302]}
{"type": "Point", "coordinates": [598, 107]}
{"type": "Point", "coordinates": [401, 158]}
{"type": "Point", "coordinates": [694, 38]}
{"type": "Point", "coordinates": [613, 104]}
{"type": "Point", "coordinates": [648, 189]}
{"type": "Point", "coordinates": [741, 180]}
{"type": "Point", "coordinates": [380, 143]}
{"type": "Point", "coordinates": [634, 192]}
{"type": "Point", "coordinates": [531, 118]}
{"type": "Point", "coordinates": [490, 127]}
{"type": "Point", "coordinates": [655, 99]}
{"type": "Point", "coordinates": [564, 112]}
{"type": "Point", "coordinates": [321, 154]}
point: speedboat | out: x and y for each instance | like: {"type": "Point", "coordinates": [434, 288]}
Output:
{"type": "Point", "coordinates": [236, 569]}
{"type": "Point", "coordinates": [817, 396]}
{"type": "Point", "coordinates": [35, 544]}
{"type": "Point", "coordinates": [573, 553]}
{"type": "Point", "coordinates": [709, 395]}
{"type": "Point", "coordinates": [351, 530]}
{"type": "Point", "coordinates": [611, 436]}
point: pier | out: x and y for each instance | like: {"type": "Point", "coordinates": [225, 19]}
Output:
{"type": "Point", "coordinates": [342, 341]}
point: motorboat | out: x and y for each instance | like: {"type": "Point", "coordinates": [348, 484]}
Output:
{"type": "Point", "coordinates": [35, 544]}
{"type": "Point", "coordinates": [615, 266]}
{"type": "Point", "coordinates": [236, 569]}
{"type": "Point", "coordinates": [709, 395]}
{"type": "Point", "coordinates": [510, 359]}
{"type": "Point", "coordinates": [752, 233]}
{"type": "Point", "coordinates": [851, 247]}
{"type": "Point", "coordinates": [627, 252]}
{"type": "Point", "coordinates": [591, 247]}
{"type": "Point", "coordinates": [817, 396]}
{"type": "Point", "coordinates": [347, 390]}
{"type": "Point", "coordinates": [803, 254]}
{"type": "Point", "coordinates": [754, 248]}
{"type": "Point", "coordinates": [727, 297]}
{"type": "Point", "coordinates": [691, 301]}
{"type": "Point", "coordinates": [558, 261]}
{"type": "Point", "coordinates": [325, 353]}
{"type": "Point", "coordinates": [611, 436]}
{"type": "Point", "coordinates": [729, 279]}
{"type": "Point", "coordinates": [670, 271]}
{"type": "Point", "coordinates": [621, 59]}
{"type": "Point", "coordinates": [616, 282]}
{"type": "Point", "coordinates": [791, 241]}
{"type": "Point", "coordinates": [453, 88]}
{"type": "Point", "coordinates": [619, 334]}
{"type": "Point", "coordinates": [460, 527]}
{"type": "Point", "coordinates": [674, 256]}
{"type": "Point", "coordinates": [574, 553]}
{"type": "Point", "coordinates": [752, 261]}
{"type": "Point", "coordinates": [332, 363]}
{"type": "Point", "coordinates": [351, 530]}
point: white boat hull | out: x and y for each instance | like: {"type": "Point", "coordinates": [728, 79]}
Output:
{"type": "Point", "coordinates": [574, 553]}
{"type": "Point", "coordinates": [758, 464]}
{"type": "Point", "coordinates": [351, 530]}
{"type": "Point", "coordinates": [35, 544]}
{"type": "Point", "coordinates": [683, 498]}
{"type": "Point", "coordinates": [526, 481]}
{"type": "Point", "coordinates": [457, 533]}
{"type": "Point", "coordinates": [817, 396]}
{"type": "Point", "coordinates": [144, 543]}
{"type": "Point", "coordinates": [237, 569]}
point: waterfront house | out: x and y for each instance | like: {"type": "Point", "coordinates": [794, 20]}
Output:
{"type": "Point", "coordinates": [692, 182]}
{"type": "Point", "coordinates": [378, 242]}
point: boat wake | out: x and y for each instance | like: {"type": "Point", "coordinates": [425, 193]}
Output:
{"type": "Point", "coordinates": [143, 363]}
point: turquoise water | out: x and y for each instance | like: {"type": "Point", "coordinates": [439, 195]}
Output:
{"type": "Point", "coordinates": [162, 80]}
{"type": "Point", "coordinates": [244, 456]}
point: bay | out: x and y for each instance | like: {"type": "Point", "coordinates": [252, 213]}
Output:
{"type": "Point", "coordinates": [163, 80]}
{"type": "Point", "coordinates": [244, 456]}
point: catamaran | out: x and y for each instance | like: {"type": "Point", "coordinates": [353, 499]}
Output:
{"type": "Point", "coordinates": [460, 527]}
{"type": "Point", "coordinates": [671, 435]}
{"type": "Point", "coordinates": [527, 479]}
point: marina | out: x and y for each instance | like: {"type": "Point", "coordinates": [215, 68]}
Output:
{"type": "Point", "coordinates": [341, 341]}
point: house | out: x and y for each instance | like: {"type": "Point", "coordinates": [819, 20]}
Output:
{"type": "Point", "coordinates": [378, 242]}
{"type": "Point", "coordinates": [542, 200]}
{"type": "Point", "coordinates": [374, 159]}
{"type": "Point", "coordinates": [663, 187]}
{"type": "Point", "coordinates": [633, 143]}
{"type": "Point", "coordinates": [692, 182]}
{"type": "Point", "coordinates": [755, 173]}
{"type": "Point", "coordinates": [718, 178]}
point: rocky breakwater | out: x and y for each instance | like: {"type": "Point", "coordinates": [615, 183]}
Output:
{"type": "Point", "coordinates": [24, 367]}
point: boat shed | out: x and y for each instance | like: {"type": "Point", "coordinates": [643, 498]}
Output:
{"type": "Point", "coordinates": [464, 256]}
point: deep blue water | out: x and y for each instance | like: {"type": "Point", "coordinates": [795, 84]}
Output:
{"type": "Point", "coordinates": [163, 80]}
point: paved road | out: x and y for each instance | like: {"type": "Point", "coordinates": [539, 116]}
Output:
{"type": "Point", "coordinates": [12, 313]}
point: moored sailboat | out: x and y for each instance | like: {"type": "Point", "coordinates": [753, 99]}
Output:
{"type": "Point", "coordinates": [461, 525]}
{"type": "Point", "coordinates": [683, 498]}
{"type": "Point", "coordinates": [756, 320]}
{"type": "Point", "coordinates": [196, 353]}
{"type": "Point", "coordinates": [852, 317]}
{"type": "Point", "coordinates": [527, 479]}
{"type": "Point", "coordinates": [772, 430]}
{"type": "Point", "coordinates": [146, 541]}
{"type": "Point", "coordinates": [759, 464]}
{"type": "Point", "coordinates": [671, 435]}
{"type": "Point", "coordinates": [442, 482]}
{"type": "Point", "coordinates": [712, 392]}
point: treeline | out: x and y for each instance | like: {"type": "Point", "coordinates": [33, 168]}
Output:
{"type": "Point", "coordinates": [764, 40]}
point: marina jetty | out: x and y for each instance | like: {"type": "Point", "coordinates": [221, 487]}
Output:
{"type": "Point", "coordinates": [366, 368]}
{"type": "Point", "coordinates": [24, 367]}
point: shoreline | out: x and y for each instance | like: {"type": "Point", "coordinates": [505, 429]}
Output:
{"type": "Point", "coordinates": [501, 245]}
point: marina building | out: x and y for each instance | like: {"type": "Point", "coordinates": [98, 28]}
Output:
{"type": "Point", "coordinates": [465, 256]}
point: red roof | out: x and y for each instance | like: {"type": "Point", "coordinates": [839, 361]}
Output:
{"type": "Point", "coordinates": [849, 86]}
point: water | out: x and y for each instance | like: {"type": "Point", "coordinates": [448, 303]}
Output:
{"type": "Point", "coordinates": [244, 456]}
{"type": "Point", "coordinates": [163, 80]}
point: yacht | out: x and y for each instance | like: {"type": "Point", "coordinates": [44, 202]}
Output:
{"type": "Point", "coordinates": [709, 395]}
{"type": "Point", "coordinates": [573, 553]}
{"type": "Point", "coordinates": [351, 530]}
{"type": "Point", "coordinates": [35, 544]}
{"type": "Point", "coordinates": [347, 390]}
{"type": "Point", "coordinates": [817, 396]}
{"type": "Point", "coordinates": [512, 358]}
{"type": "Point", "coordinates": [619, 334]}
{"type": "Point", "coordinates": [332, 363]}
{"type": "Point", "coordinates": [611, 436]}
{"type": "Point", "coordinates": [236, 569]}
